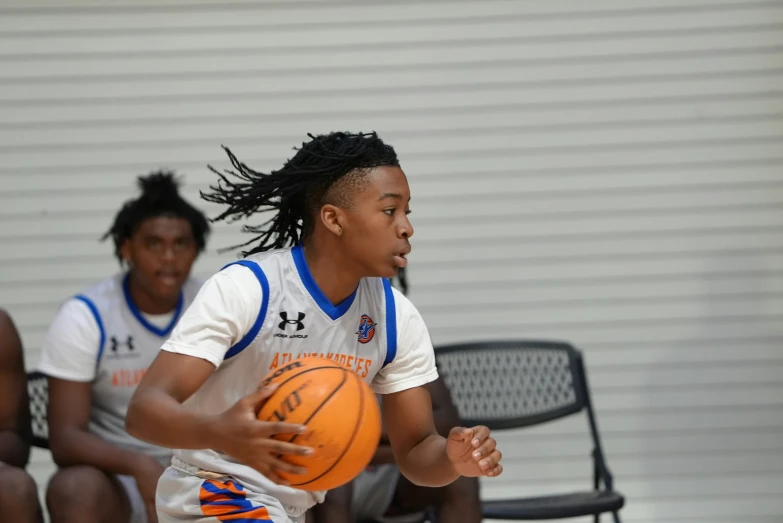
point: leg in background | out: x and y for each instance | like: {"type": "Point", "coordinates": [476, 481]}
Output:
{"type": "Point", "coordinates": [82, 493]}
{"type": "Point", "coordinates": [18, 496]}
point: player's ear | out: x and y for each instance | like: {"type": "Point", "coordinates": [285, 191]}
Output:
{"type": "Point", "coordinates": [332, 218]}
{"type": "Point", "coordinates": [125, 251]}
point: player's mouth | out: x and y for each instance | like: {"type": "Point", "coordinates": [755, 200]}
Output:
{"type": "Point", "coordinates": [400, 259]}
{"type": "Point", "coordinates": [169, 277]}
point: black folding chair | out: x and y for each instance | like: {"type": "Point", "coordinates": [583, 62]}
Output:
{"type": "Point", "coordinates": [38, 391]}
{"type": "Point", "coordinates": [513, 384]}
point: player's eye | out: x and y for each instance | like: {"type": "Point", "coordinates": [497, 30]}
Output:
{"type": "Point", "coordinates": [389, 212]}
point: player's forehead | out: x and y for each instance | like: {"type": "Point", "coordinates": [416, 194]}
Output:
{"type": "Point", "coordinates": [386, 183]}
{"type": "Point", "coordinates": [165, 226]}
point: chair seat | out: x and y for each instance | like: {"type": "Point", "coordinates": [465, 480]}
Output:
{"type": "Point", "coordinates": [554, 507]}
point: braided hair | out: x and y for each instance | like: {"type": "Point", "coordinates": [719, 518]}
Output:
{"type": "Point", "coordinates": [320, 172]}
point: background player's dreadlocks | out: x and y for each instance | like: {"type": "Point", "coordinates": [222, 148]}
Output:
{"type": "Point", "coordinates": [159, 197]}
{"type": "Point", "coordinates": [297, 190]}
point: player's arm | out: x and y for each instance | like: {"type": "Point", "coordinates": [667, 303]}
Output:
{"type": "Point", "coordinates": [444, 414]}
{"type": "Point", "coordinates": [69, 354]}
{"type": "Point", "coordinates": [14, 407]}
{"type": "Point", "coordinates": [425, 457]}
{"type": "Point", "coordinates": [218, 318]}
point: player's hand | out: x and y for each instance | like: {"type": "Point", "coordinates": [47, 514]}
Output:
{"type": "Point", "coordinates": [472, 452]}
{"type": "Point", "coordinates": [239, 433]}
{"type": "Point", "coordinates": [147, 472]}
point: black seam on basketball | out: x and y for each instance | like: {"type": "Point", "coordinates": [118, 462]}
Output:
{"type": "Point", "coordinates": [338, 387]}
{"type": "Point", "coordinates": [350, 441]}
{"type": "Point", "coordinates": [336, 366]}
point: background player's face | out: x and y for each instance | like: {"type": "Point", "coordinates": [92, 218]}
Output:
{"type": "Point", "coordinates": [377, 229]}
{"type": "Point", "coordinates": [161, 252]}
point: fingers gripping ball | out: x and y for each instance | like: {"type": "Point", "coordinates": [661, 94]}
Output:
{"type": "Point", "coordinates": [341, 414]}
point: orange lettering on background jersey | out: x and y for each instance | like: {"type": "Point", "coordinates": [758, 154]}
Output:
{"type": "Point", "coordinates": [127, 378]}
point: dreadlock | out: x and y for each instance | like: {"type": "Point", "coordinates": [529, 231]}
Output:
{"type": "Point", "coordinates": [159, 197]}
{"type": "Point", "coordinates": [297, 190]}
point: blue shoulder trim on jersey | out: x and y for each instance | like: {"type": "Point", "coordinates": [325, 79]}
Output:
{"type": "Point", "coordinates": [251, 335]}
{"type": "Point", "coordinates": [140, 317]}
{"type": "Point", "coordinates": [333, 311]}
{"type": "Point", "coordinates": [391, 323]}
{"type": "Point", "coordinates": [97, 316]}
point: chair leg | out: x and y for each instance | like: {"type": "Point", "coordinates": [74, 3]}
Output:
{"type": "Point", "coordinates": [597, 518]}
{"type": "Point", "coordinates": [616, 517]}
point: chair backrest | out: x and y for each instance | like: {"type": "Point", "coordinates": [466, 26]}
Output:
{"type": "Point", "coordinates": [38, 390]}
{"type": "Point", "coordinates": [510, 384]}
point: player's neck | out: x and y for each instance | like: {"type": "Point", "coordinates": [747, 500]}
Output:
{"type": "Point", "coordinates": [331, 273]}
{"type": "Point", "coordinates": [147, 303]}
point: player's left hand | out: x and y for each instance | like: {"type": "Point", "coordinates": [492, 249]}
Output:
{"type": "Point", "coordinates": [473, 452]}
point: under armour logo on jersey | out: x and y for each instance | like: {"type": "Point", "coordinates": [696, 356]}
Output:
{"type": "Point", "coordinates": [366, 330]}
{"type": "Point", "coordinates": [116, 343]}
{"type": "Point", "coordinates": [291, 321]}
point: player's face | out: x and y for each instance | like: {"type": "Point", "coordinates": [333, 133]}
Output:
{"type": "Point", "coordinates": [377, 230]}
{"type": "Point", "coordinates": [161, 252]}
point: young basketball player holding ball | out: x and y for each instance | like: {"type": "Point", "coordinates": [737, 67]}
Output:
{"type": "Point", "coordinates": [316, 283]}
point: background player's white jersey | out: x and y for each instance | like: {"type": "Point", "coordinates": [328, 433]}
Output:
{"type": "Point", "coordinates": [260, 313]}
{"type": "Point", "coordinates": [101, 336]}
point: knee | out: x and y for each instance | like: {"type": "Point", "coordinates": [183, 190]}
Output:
{"type": "Point", "coordinates": [17, 487]}
{"type": "Point", "coordinates": [78, 487]}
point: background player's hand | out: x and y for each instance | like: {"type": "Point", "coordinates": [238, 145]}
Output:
{"type": "Point", "coordinates": [472, 452]}
{"type": "Point", "coordinates": [239, 433]}
{"type": "Point", "coordinates": [147, 472]}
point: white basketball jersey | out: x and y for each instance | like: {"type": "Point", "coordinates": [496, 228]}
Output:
{"type": "Point", "coordinates": [128, 344]}
{"type": "Point", "coordinates": [294, 319]}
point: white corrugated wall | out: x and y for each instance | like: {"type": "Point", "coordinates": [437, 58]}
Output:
{"type": "Point", "coordinates": [607, 172]}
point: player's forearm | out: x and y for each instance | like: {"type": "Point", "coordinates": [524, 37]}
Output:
{"type": "Point", "coordinates": [14, 450]}
{"type": "Point", "coordinates": [157, 418]}
{"type": "Point", "coordinates": [73, 446]}
{"type": "Point", "coordinates": [427, 464]}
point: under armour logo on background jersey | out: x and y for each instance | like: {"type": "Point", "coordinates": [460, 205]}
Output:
{"type": "Point", "coordinates": [289, 321]}
{"type": "Point", "coordinates": [115, 343]}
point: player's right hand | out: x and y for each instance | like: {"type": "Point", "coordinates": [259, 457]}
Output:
{"type": "Point", "coordinates": [239, 433]}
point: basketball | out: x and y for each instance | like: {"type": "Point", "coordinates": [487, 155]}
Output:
{"type": "Point", "coordinates": [341, 413]}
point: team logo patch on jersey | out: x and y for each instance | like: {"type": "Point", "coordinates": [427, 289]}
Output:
{"type": "Point", "coordinates": [366, 330]}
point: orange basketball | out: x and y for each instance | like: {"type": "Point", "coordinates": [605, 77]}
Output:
{"type": "Point", "coordinates": [341, 413]}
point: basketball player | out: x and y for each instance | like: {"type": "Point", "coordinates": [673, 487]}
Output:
{"type": "Point", "coordinates": [342, 202]}
{"type": "Point", "coordinates": [98, 348]}
{"type": "Point", "coordinates": [381, 493]}
{"type": "Point", "coordinates": [18, 492]}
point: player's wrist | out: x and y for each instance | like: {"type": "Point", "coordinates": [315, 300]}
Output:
{"type": "Point", "coordinates": [210, 428]}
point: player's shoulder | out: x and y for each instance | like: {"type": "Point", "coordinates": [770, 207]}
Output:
{"type": "Point", "coordinates": [95, 296]}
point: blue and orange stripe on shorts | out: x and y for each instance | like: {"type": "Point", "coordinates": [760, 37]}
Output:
{"type": "Point", "coordinates": [227, 501]}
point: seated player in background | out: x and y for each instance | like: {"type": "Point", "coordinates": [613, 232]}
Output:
{"type": "Point", "coordinates": [339, 229]}
{"type": "Point", "coordinates": [18, 491]}
{"type": "Point", "coordinates": [382, 494]}
{"type": "Point", "coordinates": [98, 348]}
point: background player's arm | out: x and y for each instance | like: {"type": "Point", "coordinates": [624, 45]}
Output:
{"type": "Point", "coordinates": [71, 441]}
{"type": "Point", "coordinates": [14, 408]}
